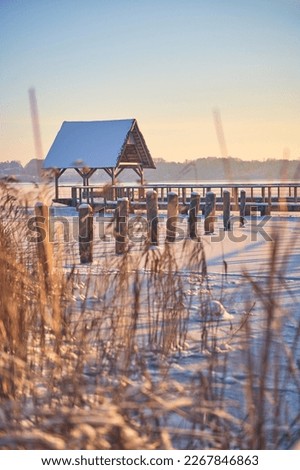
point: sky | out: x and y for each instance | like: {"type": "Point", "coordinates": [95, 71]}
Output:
{"type": "Point", "coordinates": [174, 65]}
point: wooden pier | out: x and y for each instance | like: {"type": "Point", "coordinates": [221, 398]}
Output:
{"type": "Point", "coordinates": [262, 197]}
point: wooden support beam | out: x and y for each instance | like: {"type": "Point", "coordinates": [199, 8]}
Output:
{"type": "Point", "coordinates": [152, 216]}
{"type": "Point", "coordinates": [209, 215]}
{"type": "Point", "coordinates": [243, 208]}
{"type": "Point", "coordinates": [111, 171]}
{"type": "Point", "coordinates": [139, 170]}
{"type": "Point", "coordinates": [172, 216]}
{"type": "Point", "coordinates": [184, 196]}
{"type": "Point", "coordinates": [79, 172]}
{"type": "Point", "coordinates": [57, 175]}
{"type": "Point", "coordinates": [193, 213]}
{"type": "Point", "coordinates": [108, 171]}
{"type": "Point", "coordinates": [121, 226]}
{"type": "Point", "coordinates": [142, 175]}
{"type": "Point", "coordinates": [226, 210]}
{"type": "Point", "coordinates": [235, 195]}
{"type": "Point", "coordinates": [85, 233]}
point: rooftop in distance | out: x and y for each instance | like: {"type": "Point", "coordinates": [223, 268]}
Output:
{"type": "Point", "coordinates": [99, 144]}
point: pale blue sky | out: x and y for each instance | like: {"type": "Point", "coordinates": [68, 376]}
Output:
{"type": "Point", "coordinates": [168, 63]}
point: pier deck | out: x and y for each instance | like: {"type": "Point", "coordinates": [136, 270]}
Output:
{"type": "Point", "coordinates": [263, 197]}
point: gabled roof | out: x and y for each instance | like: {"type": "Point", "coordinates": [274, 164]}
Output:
{"type": "Point", "coordinates": [99, 144]}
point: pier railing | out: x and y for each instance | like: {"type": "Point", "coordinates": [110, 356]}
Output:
{"type": "Point", "coordinates": [265, 197]}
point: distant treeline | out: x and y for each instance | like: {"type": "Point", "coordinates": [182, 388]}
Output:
{"type": "Point", "coordinates": [216, 168]}
{"type": "Point", "coordinates": [31, 171]}
{"type": "Point", "coordinates": [207, 169]}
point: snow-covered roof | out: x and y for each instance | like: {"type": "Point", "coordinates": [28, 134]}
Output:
{"type": "Point", "coordinates": [98, 144]}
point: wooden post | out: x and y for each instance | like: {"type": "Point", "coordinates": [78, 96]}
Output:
{"type": "Point", "coordinates": [152, 216]}
{"type": "Point", "coordinates": [44, 247]}
{"type": "Point", "coordinates": [267, 209]}
{"type": "Point", "coordinates": [113, 182]}
{"type": "Point", "coordinates": [56, 185]}
{"type": "Point", "coordinates": [270, 196]}
{"type": "Point", "coordinates": [85, 233]}
{"type": "Point", "coordinates": [121, 228]}
{"type": "Point", "coordinates": [193, 212]}
{"type": "Point", "coordinates": [243, 208]}
{"type": "Point", "coordinates": [91, 191]}
{"type": "Point", "coordinates": [184, 196]}
{"type": "Point", "coordinates": [128, 193]}
{"type": "Point", "coordinates": [142, 176]}
{"type": "Point", "coordinates": [58, 173]}
{"type": "Point", "coordinates": [226, 209]}
{"type": "Point", "coordinates": [141, 193]}
{"type": "Point", "coordinates": [209, 213]}
{"type": "Point", "coordinates": [172, 214]}
{"type": "Point", "coordinates": [74, 196]}
{"type": "Point", "coordinates": [235, 194]}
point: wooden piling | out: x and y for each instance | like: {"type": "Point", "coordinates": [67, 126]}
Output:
{"type": "Point", "coordinates": [184, 196]}
{"type": "Point", "coordinates": [172, 215]}
{"type": "Point", "coordinates": [152, 216]}
{"type": "Point", "coordinates": [85, 233]}
{"type": "Point", "coordinates": [209, 213]}
{"type": "Point", "coordinates": [74, 196]}
{"type": "Point", "coordinates": [193, 213]}
{"type": "Point", "coordinates": [242, 208]}
{"type": "Point", "coordinates": [226, 210]}
{"type": "Point", "coordinates": [235, 195]}
{"type": "Point", "coordinates": [44, 247]}
{"type": "Point", "coordinates": [121, 227]}
{"type": "Point", "coordinates": [270, 197]}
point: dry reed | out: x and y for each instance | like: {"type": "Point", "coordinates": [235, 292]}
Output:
{"type": "Point", "coordinates": [89, 361]}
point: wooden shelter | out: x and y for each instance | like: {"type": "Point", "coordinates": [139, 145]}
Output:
{"type": "Point", "coordinates": [91, 145]}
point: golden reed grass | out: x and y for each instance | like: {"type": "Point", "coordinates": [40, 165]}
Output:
{"type": "Point", "coordinates": [87, 360]}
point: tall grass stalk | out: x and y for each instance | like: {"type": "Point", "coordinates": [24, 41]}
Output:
{"type": "Point", "coordinates": [115, 356]}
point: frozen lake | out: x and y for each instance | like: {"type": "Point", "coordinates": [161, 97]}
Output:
{"type": "Point", "coordinates": [198, 339]}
